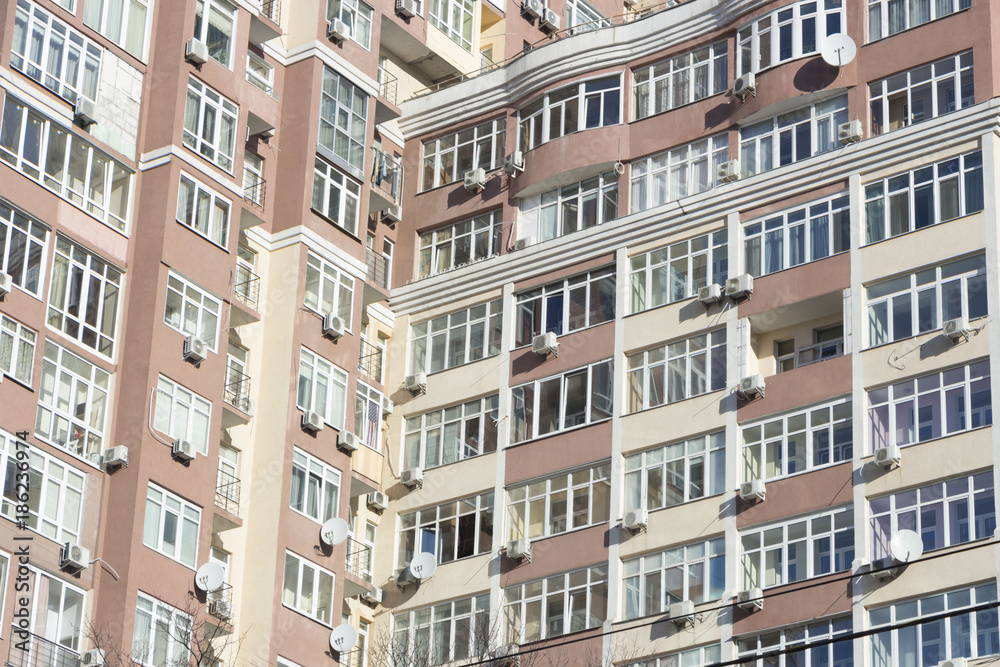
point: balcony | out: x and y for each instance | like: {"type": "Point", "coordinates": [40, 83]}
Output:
{"type": "Point", "coordinates": [264, 24]}
{"type": "Point", "coordinates": [272, 10]}
{"type": "Point", "coordinates": [227, 499]}
{"type": "Point", "coordinates": [237, 407]}
{"type": "Point", "coordinates": [219, 604]}
{"type": "Point", "coordinates": [358, 568]}
{"type": "Point", "coordinates": [385, 103]}
{"type": "Point", "coordinates": [254, 188]}
{"type": "Point", "coordinates": [386, 182]}
{"type": "Point", "coordinates": [376, 278]}
{"type": "Point", "coordinates": [246, 291]}
{"type": "Point", "coordinates": [40, 652]}
{"type": "Point", "coordinates": [811, 354]}
{"type": "Point", "coordinates": [370, 361]}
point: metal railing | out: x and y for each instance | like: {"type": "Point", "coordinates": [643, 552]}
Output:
{"type": "Point", "coordinates": [219, 603]}
{"type": "Point", "coordinates": [387, 86]}
{"type": "Point", "coordinates": [378, 269]}
{"type": "Point", "coordinates": [387, 175]}
{"type": "Point", "coordinates": [812, 354]}
{"type": "Point", "coordinates": [359, 560]}
{"type": "Point", "coordinates": [247, 286]}
{"type": "Point", "coordinates": [271, 9]}
{"type": "Point", "coordinates": [253, 188]}
{"type": "Point", "coordinates": [370, 361]}
{"type": "Point", "coordinates": [237, 390]}
{"type": "Point", "coordinates": [38, 652]}
{"type": "Point", "coordinates": [227, 492]}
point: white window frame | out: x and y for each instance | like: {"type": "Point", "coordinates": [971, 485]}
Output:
{"type": "Point", "coordinates": [460, 243]}
{"type": "Point", "coordinates": [759, 43]}
{"type": "Point", "coordinates": [702, 655]}
{"type": "Point", "coordinates": [308, 603]}
{"type": "Point", "coordinates": [927, 83]}
{"type": "Point", "coordinates": [204, 211]}
{"type": "Point", "coordinates": [157, 623]}
{"type": "Point", "coordinates": [336, 196]}
{"type": "Point", "coordinates": [447, 158]}
{"type": "Point", "coordinates": [314, 370]}
{"type": "Point", "coordinates": [570, 208]}
{"type": "Point", "coordinates": [329, 289]}
{"type": "Point", "coordinates": [17, 350]}
{"type": "Point", "coordinates": [319, 487]}
{"type": "Point", "coordinates": [878, 16]}
{"type": "Point", "coordinates": [57, 611]}
{"type": "Point", "coordinates": [368, 416]}
{"type": "Point", "coordinates": [535, 118]}
{"type": "Point", "coordinates": [260, 72]}
{"type": "Point", "coordinates": [86, 419]}
{"type": "Point", "coordinates": [584, 17]}
{"type": "Point", "coordinates": [761, 143]}
{"type": "Point", "coordinates": [679, 80]}
{"type": "Point", "coordinates": [428, 635]}
{"type": "Point", "coordinates": [425, 530]}
{"type": "Point", "coordinates": [645, 579]}
{"type": "Point", "coordinates": [203, 29]}
{"type": "Point", "coordinates": [559, 499]}
{"type": "Point", "coordinates": [574, 298]}
{"type": "Point", "coordinates": [188, 296]}
{"type": "Point", "coordinates": [822, 229]}
{"type": "Point", "coordinates": [443, 15]}
{"type": "Point", "coordinates": [178, 412]}
{"type": "Point", "coordinates": [450, 340]}
{"type": "Point", "coordinates": [30, 238]}
{"type": "Point", "coordinates": [97, 14]}
{"type": "Point", "coordinates": [586, 582]}
{"type": "Point", "coordinates": [676, 465]}
{"type": "Point", "coordinates": [357, 14]}
{"type": "Point", "coordinates": [161, 504]}
{"type": "Point", "coordinates": [786, 640]}
{"type": "Point", "coordinates": [677, 173]}
{"type": "Point", "coordinates": [456, 432]}
{"type": "Point", "coordinates": [644, 367]}
{"type": "Point", "coordinates": [597, 404]}
{"type": "Point", "coordinates": [213, 114]}
{"type": "Point", "coordinates": [677, 271]}
{"type": "Point", "coordinates": [353, 136]}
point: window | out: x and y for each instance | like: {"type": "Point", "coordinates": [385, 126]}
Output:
{"type": "Point", "coordinates": [446, 632]}
{"type": "Point", "coordinates": [570, 208]}
{"type": "Point", "coordinates": [452, 434]}
{"type": "Point", "coordinates": [53, 54]}
{"type": "Point", "coordinates": [65, 164]}
{"type": "Point", "coordinates": [357, 15]}
{"type": "Point", "coordinates": [454, 530]}
{"type": "Point", "coordinates": [17, 350]}
{"type": "Point", "coordinates": [162, 634]}
{"type": "Point", "coordinates": [932, 406]}
{"type": "Point", "coordinates": [575, 398]}
{"type": "Point", "coordinates": [335, 196]}
{"type": "Point", "coordinates": [559, 504]}
{"type": "Point", "coordinates": [920, 302]}
{"type": "Point", "coordinates": [210, 124]}
{"type": "Point", "coordinates": [342, 113]}
{"type": "Point", "coordinates": [455, 19]}
{"type": "Point", "coordinates": [368, 416]}
{"type": "Point", "coordinates": [124, 22]}
{"type": "Point", "coordinates": [308, 589]}
{"type": "Point", "coordinates": [556, 606]}
{"type": "Point", "coordinates": [216, 29]}
{"type": "Point", "coordinates": [447, 158]}
{"type": "Point", "coordinates": [203, 211]}
{"type": "Point", "coordinates": [791, 32]}
{"type": "Point", "coordinates": [171, 526]}
{"type": "Point", "coordinates": [678, 271]}
{"type": "Point", "coordinates": [799, 549]}
{"type": "Point", "coordinates": [805, 234]}
{"type": "Point", "coordinates": [973, 634]}
{"type": "Point", "coordinates": [260, 73]}
{"type": "Point", "coordinates": [227, 480]}
{"type": "Point", "coordinates": [22, 248]}
{"type": "Point", "coordinates": [680, 80]}
{"type": "Point", "coordinates": [55, 491]}
{"type": "Point", "coordinates": [676, 473]}
{"type": "Point", "coordinates": [923, 197]}
{"type": "Point", "coordinates": [72, 399]}
{"type": "Point", "coordinates": [695, 572]}
{"type": "Point", "coordinates": [922, 93]}
{"type": "Point", "coordinates": [676, 371]}
{"type": "Point", "coordinates": [83, 300]}
{"type": "Point", "coordinates": [454, 245]}
{"type": "Point", "coordinates": [182, 414]}
{"type": "Point", "coordinates": [792, 136]}
{"type": "Point", "coordinates": [887, 17]}
{"type": "Point", "coordinates": [579, 106]}
{"type": "Point", "coordinates": [58, 617]}
{"type": "Point", "coordinates": [582, 14]}
{"type": "Point", "coordinates": [455, 339]}
{"type": "Point", "coordinates": [191, 310]}
{"type": "Point", "coordinates": [797, 442]}
{"type": "Point", "coordinates": [566, 306]}
{"type": "Point", "coordinates": [322, 388]}
{"type": "Point", "coordinates": [329, 289]}
{"type": "Point", "coordinates": [944, 514]}
{"type": "Point", "coordinates": [315, 487]}
{"type": "Point", "coordinates": [677, 173]}
{"type": "Point", "coordinates": [703, 655]}
{"type": "Point", "coordinates": [836, 652]}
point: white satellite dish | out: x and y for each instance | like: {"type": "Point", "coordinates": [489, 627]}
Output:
{"type": "Point", "coordinates": [333, 532]}
{"type": "Point", "coordinates": [838, 49]}
{"type": "Point", "coordinates": [906, 546]}
{"type": "Point", "coordinates": [210, 576]}
{"type": "Point", "coordinates": [423, 565]}
{"type": "Point", "coordinates": [343, 638]}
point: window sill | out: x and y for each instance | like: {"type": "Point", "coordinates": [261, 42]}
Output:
{"type": "Point", "coordinates": [457, 181]}
{"type": "Point", "coordinates": [451, 463]}
{"type": "Point", "coordinates": [686, 104]}
{"type": "Point", "coordinates": [915, 231]}
{"type": "Point", "coordinates": [537, 540]}
{"type": "Point", "coordinates": [929, 332]}
{"type": "Point", "coordinates": [305, 615]}
{"type": "Point", "coordinates": [207, 238]}
{"type": "Point", "coordinates": [687, 398]}
{"type": "Point", "coordinates": [911, 28]}
{"type": "Point", "coordinates": [924, 442]}
{"type": "Point", "coordinates": [336, 224]}
{"type": "Point", "coordinates": [467, 363]}
{"type": "Point", "coordinates": [557, 433]}
{"type": "Point", "coordinates": [791, 475]}
{"type": "Point", "coordinates": [686, 502]}
{"type": "Point", "coordinates": [170, 558]}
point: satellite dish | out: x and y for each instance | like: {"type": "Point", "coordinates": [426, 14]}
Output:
{"type": "Point", "coordinates": [333, 532]}
{"type": "Point", "coordinates": [423, 565]}
{"type": "Point", "coordinates": [906, 546]}
{"type": "Point", "coordinates": [210, 576]}
{"type": "Point", "coordinates": [838, 49]}
{"type": "Point", "coordinates": [343, 638]}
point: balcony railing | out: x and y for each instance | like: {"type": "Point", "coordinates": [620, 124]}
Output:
{"type": "Point", "coordinates": [387, 86]}
{"type": "Point", "coordinates": [271, 9]}
{"type": "Point", "coordinates": [40, 652]}
{"type": "Point", "coordinates": [378, 269]}
{"type": "Point", "coordinates": [359, 560]}
{"type": "Point", "coordinates": [247, 286]}
{"type": "Point", "coordinates": [370, 361]}
{"type": "Point", "coordinates": [219, 603]}
{"type": "Point", "coordinates": [812, 354]}
{"type": "Point", "coordinates": [253, 188]}
{"type": "Point", "coordinates": [387, 175]}
{"type": "Point", "coordinates": [227, 493]}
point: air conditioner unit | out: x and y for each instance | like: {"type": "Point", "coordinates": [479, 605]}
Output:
{"type": "Point", "coordinates": [957, 329]}
{"type": "Point", "coordinates": [196, 52]}
{"type": "Point", "coordinates": [347, 442]}
{"type": "Point", "coordinates": [92, 658]}
{"type": "Point", "coordinates": [710, 294]}
{"type": "Point", "coordinates": [682, 613]}
{"type": "Point", "coordinates": [312, 421]}
{"type": "Point", "coordinates": [406, 8]}
{"type": "Point", "coordinates": [475, 179]}
{"type": "Point", "coordinates": [850, 132]}
{"type": "Point", "coordinates": [954, 662]}
{"type": "Point", "coordinates": [85, 111]}
{"type": "Point", "coordinates": [753, 490]}
{"type": "Point", "coordinates": [416, 384]}
{"type": "Point", "coordinates": [745, 85]}
{"type": "Point", "coordinates": [413, 478]}
{"type": "Point", "coordinates": [221, 609]}
{"type": "Point", "coordinates": [750, 600]}
{"type": "Point", "coordinates": [378, 501]}
{"type": "Point", "coordinates": [387, 406]}
{"type": "Point", "coordinates": [337, 29]}
{"type": "Point", "coordinates": [195, 349]}
{"type": "Point", "coordinates": [549, 19]}
{"type": "Point", "coordinates": [740, 287]}
{"type": "Point", "coordinates": [888, 456]}
{"type": "Point", "coordinates": [6, 283]}
{"type": "Point", "coordinates": [506, 655]}
{"type": "Point", "coordinates": [372, 597]}
{"type": "Point", "coordinates": [333, 326]}
{"type": "Point", "coordinates": [636, 521]}
{"type": "Point", "coordinates": [729, 171]}
{"type": "Point", "coordinates": [115, 457]}
{"type": "Point", "coordinates": [523, 243]}
{"type": "Point", "coordinates": [751, 387]}
{"type": "Point", "coordinates": [245, 403]}
{"type": "Point", "coordinates": [393, 214]}
{"type": "Point", "coordinates": [519, 550]}
{"type": "Point", "coordinates": [545, 344]}
{"type": "Point", "coordinates": [533, 8]}
{"type": "Point", "coordinates": [182, 450]}
{"type": "Point", "coordinates": [884, 568]}
{"type": "Point", "coordinates": [73, 557]}
{"type": "Point", "coordinates": [513, 164]}
{"type": "Point", "coordinates": [403, 578]}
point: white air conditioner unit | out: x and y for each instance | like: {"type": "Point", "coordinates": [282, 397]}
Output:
{"type": "Point", "coordinates": [519, 550]}
{"type": "Point", "coordinates": [513, 164]}
{"type": "Point", "coordinates": [6, 283]}
{"type": "Point", "coordinates": [387, 406]}
{"type": "Point", "coordinates": [545, 344]}
{"type": "Point", "coordinates": [636, 521]}
{"type": "Point", "coordinates": [729, 171]}
{"type": "Point", "coordinates": [195, 349]}
{"type": "Point", "coordinates": [347, 442]}
{"type": "Point", "coordinates": [745, 85]}
{"type": "Point", "coordinates": [92, 658]}
{"type": "Point", "coordinates": [406, 8]}
{"type": "Point", "coordinates": [750, 599]}
{"type": "Point", "coordinates": [753, 490]}
{"type": "Point", "coordinates": [957, 329]}
{"type": "Point", "coordinates": [312, 421]}
{"type": "Point", "coordinates": [73, 557]}
{"type": "Point", "coordinates": [182, 450]}
{"type": "Point", "coordinates": [245, 403]}
{"type": "Point", "coordinates": [337, 29]}
{"type": "Point", "coordinates": [333, 326]}
{"type": "Point", "coordinates": [85, 111]}
{"type": "Point", "coordinates": [378, 501]}
{"type": "Point", "coordinates": [393, 214]}
{"type": "Point", "coordinates": [549, 19]}
{"type": "Point", "coordinates": [533, 8]}
{"type": "Point", "coordinates": [751, 387]}
{"type": "Point", "coordinates": [475, 179]}
{"type": "Point", "coordinates": [523, 243]}
{"type": "Point", "coordinates": [506, 655]}
{"type": "Point", "coordinates": [221, 609]}
{"type": "Point", "coordinates": [682, 613]}
{"type": "Point", "coordinates": [403, 578]}
{"type": "Point", "coordinates": [196, 52]}
{"type": "Point", "coordinates": [888, 456]}
{"type": "Point", "coordinates": [413, 478]}
{"type": "Point", "coordinates": [115, 457]}
{"type": "Point", "coordinates": [372, 597]}
{"type": "Point", "coordinates": [416, 384]}
{"type": "Point", "coordinates": [850, 132]}
{"type": "Point", "coordinates": [954, 662]}
{"type": "Point", "coordinates": [884, 568]}
{"type": "Point", "coordinates": [740, 287]}
{"type": "Point", "coordinates": [710, 294]}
